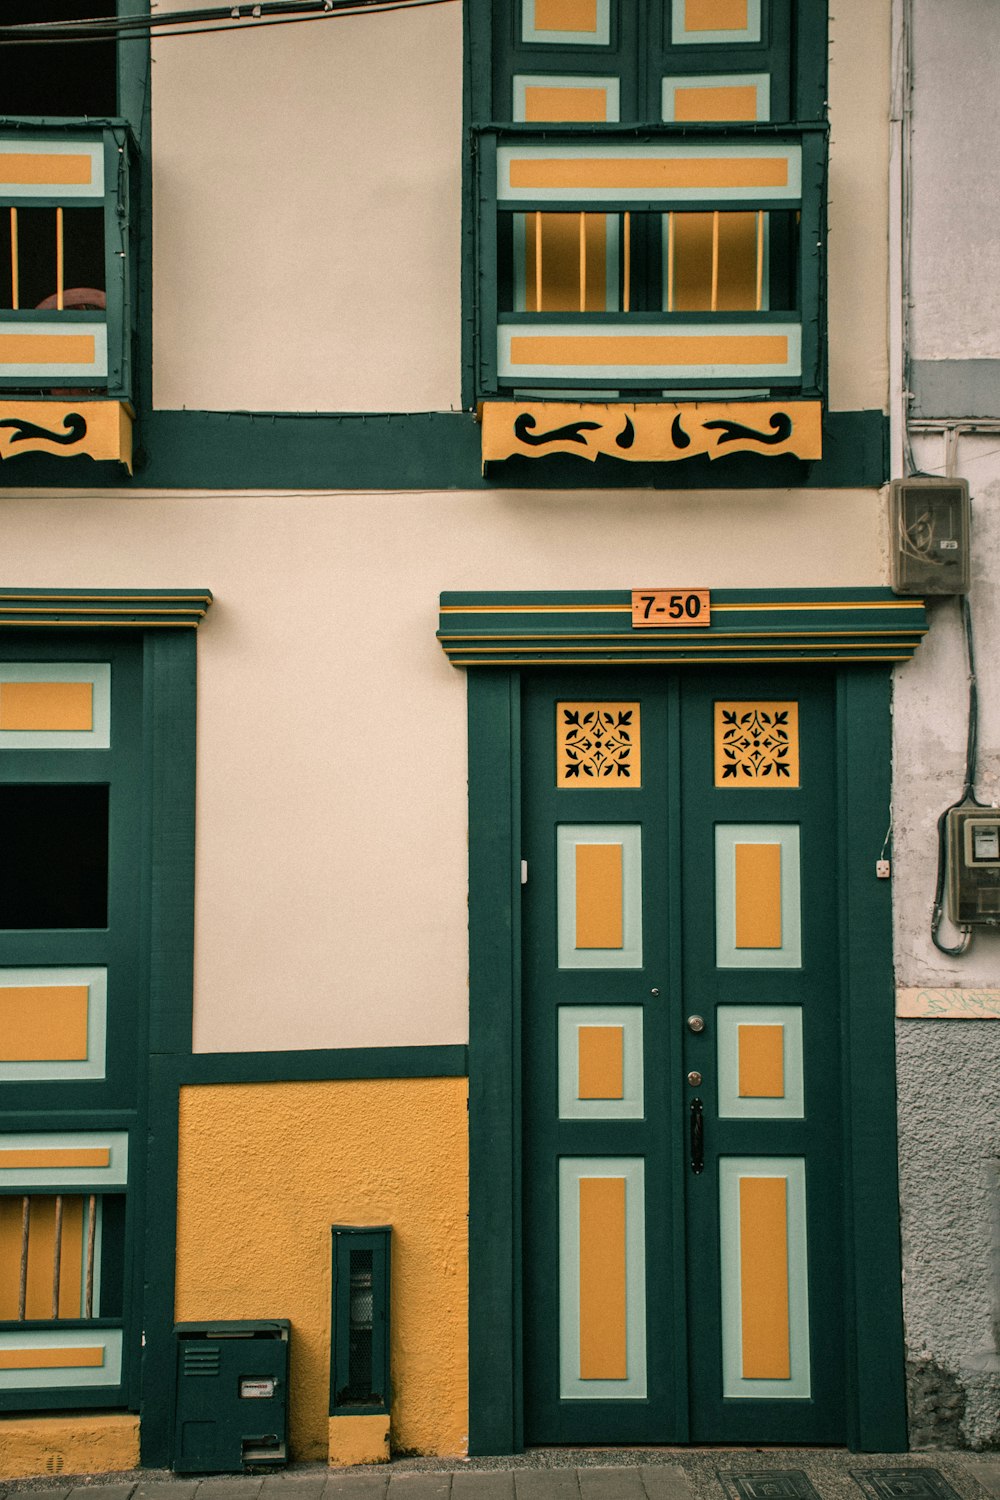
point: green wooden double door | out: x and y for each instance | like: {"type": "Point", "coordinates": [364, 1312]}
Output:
{"type": "Point", "coordinates": [683, 1172]}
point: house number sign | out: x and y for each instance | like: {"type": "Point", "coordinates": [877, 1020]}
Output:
{"type": "Point", "coordinates": [666, 607]}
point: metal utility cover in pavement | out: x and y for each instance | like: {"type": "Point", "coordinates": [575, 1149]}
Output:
{"type": "Point", "coordinates": [904, 1484]}
{"type": "Point", "coordinates": [767, 1484]}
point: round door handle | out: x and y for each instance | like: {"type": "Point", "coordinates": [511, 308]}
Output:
{"type": "Point", "coordinates": [694, 1079]}
{"type": "Point", "coordinates": [695, 1024]}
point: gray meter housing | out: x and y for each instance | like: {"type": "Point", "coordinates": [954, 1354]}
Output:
{"type": "Point", "coordinates": [929, 541]}
{"type": "Point", "coordinates": [974, 866]}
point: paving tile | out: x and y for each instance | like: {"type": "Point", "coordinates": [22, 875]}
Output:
{"type": "Point", "coordinates": [101, 1491]}
{"type": "Point", "coordinates": [292, 1486]}
{"type": "Point", "coordinates": [606, 1483]}
{"type": "Point", "coordinates": [433, 1486]}
{"type": "Point", "coordinates": [229, 1487]}
{"type": "Point", "coordinates": [546, 1484]}
{"type": "Point", "coordinates": [370, 1486]}
{"type": "Point", "coordinates": [478, 1484]}
{"type": "Point", "coordinates": [164, 1489]}
{"type": "Point", "coordinates": [986, 1471]}
{"type": "Point", "coordinates": [666, 1482]}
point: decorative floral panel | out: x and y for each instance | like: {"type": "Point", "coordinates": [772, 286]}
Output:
{"type": "Point", "coordinates": [757, 744]}
{"type": "Point", "coordinates": [597, 744]}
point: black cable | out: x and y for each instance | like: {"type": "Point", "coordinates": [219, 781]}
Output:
{"type": "Point", "coordinates": [968, 797]}
{"type": "Point", "coordinates": [242, 17]}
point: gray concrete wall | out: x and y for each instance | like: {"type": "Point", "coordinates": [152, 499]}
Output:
{"type": "Point", "coordinates": [949, 1070]}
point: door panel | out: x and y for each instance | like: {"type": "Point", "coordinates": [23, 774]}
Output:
{"type": "Point", "coordinates": [681, 1074]}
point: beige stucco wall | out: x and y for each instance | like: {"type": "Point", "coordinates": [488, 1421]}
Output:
{"type": "Point", "coordinates": [307, 207]}
{"type": "Point", "coordinates": [858, 242]}
{"type": "Point", "coordinates": [288, 275]}
{"type": "Point", "coordinates": [331, 846]}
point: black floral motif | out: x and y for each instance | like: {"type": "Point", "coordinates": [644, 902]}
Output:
{"type": "Point", "coordinates": [597, 744]}
{"type": "Point", "coordinates": [756, 745]}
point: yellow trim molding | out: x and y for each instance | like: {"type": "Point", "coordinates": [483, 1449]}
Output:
{"type": "Point", "coordinates": [99, 429]}
{"type": "Point", "coordinates": [651, 432]}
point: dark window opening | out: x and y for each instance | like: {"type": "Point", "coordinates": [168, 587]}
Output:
{"type": "Point", "coordinates": [53, 856]}
{"type": "Point", "coordinates": [53, 78]}
{"type": "Point", "coordinates": [362, 1317]}
{"type": "Point", "coordinates": [37, 234]}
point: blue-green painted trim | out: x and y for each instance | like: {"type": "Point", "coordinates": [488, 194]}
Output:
{"type": "Point", "coordinates": [876, 1406]}
{"type": "Point", "coordinates": [421, 450]}
{"type": "Point", "coordinates": [495, 1394]}
{"type": "Point", "coordinates": [324, 1065]}
{"type": "Point", "coordinates": [558, 627]}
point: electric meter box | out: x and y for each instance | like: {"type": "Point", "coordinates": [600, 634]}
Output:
{"type": "Point", "coordinates": [974, 865]}
{"type": "Point", "coordinates": [232, 1396]}
{"type": "Point", "coordinates": [929, 543]}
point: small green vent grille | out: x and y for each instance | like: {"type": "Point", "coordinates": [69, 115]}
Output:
{"type": "Point", "coordinates": [201, 1360]}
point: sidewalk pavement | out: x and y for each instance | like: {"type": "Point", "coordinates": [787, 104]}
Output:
{"type": "Point", "coordinates": [573, 1474]}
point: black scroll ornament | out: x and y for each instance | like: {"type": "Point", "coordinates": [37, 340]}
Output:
{"type": "Point", "coordinates": [74, 423]}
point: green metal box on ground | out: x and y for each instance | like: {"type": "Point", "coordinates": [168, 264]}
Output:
{"type": "Point", "coordinates": [232, 1396]}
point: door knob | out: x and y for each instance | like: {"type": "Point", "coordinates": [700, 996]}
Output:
{"type": "Point", "coordinates": [694, 1079]}
{"type": "Point", "coordinates": [695, 1024]}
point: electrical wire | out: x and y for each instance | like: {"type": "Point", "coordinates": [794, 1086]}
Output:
{"type": "Point", "coordinates": [967, 799]}
{"type": "Point", "coordinates": [242, 17]}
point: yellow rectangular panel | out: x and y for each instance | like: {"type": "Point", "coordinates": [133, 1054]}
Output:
{"type": "Point", "coordinates": [65, 1156]}
{"type": "Point", "coordinates": [46, 705]}
{"type": "Point", "coordinates": [648, 172]}
{"type": "Point", "coordinates": [600, 1062]}
{"type": "Point", "coordinates": [761, 1062]}
{"type": "Point", "coordinates": [764, 1278]}
{"type": "Point", "coordinates": [756, 744]}
{"type": "Point", "coordinates": [33, 169]}
{"type": "Point", "coordinates": [43, 1023]}
{"type": "Point", "coordinates": [51, 1359]}
{"type": "Point", "coordinates": [666, 349]}
{"type": "Point", "coordinates": [46, 349]}
{"type": "Point", "coordinates": [715, 15]}
{"type": "Point", "coordinates": [603, 1343]}
{"type": "Point", "coordinates": [758, 895]}
{"type": "Point", "coordinates": [598, 745]}
{"type": "Point", "coordinates": [41, 1254]}
{"type": "Point", "coordinates": [565, 15]}
{"type": "Point", "coordinates": [599, 909]}
{"type": "Point", "coordinates": [570, 104]}
{"type": "Point", "coordinates": [560, 244]}
{"type": "Point", "coordinates": [735, 102]}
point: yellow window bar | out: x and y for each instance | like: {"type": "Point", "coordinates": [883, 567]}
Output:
{"type": "Point", "coordinates": [88, 1306]}
{"type": "Point", "coordinates": [715, 260]}
{"type": "Point", "coordinates": [22, 1290]}
{"type": "Point", "coordinates": [59, 258]}
{"type": "Point", "coordinates": [760, 259]}
{"type": "Point", "coordinates": [583, 262]}
{"type": "Point", "coordinates": [670, 262]}
{"type": "Point", "coordinates": [538, 261]}
{"type": "Point", "coordinates": [57, 1236]}
{"type": "Point", "coordinates": [15, 269]}
{"type": "Point", "coordinates": [627, 283]}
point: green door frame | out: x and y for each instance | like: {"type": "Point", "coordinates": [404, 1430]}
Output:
{"type": "Point", "coordinates": [874, 1377]}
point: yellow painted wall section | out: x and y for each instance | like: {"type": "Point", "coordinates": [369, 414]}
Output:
{"type": "Point", "coordinates": [359, 1440]}
{"type": "Point", "coordinates": [265, 1169]}
{"type": "Point", "coordinates": [87, 1443]}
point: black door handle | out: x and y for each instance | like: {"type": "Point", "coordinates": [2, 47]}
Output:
{"type": "Point", "coordinates": [697, 1136]}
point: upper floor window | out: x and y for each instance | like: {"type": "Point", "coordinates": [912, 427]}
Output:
{"type": "Point", "coordinates": [651, 191]}
{"type": "Point", "coordinates": [65, 219]}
